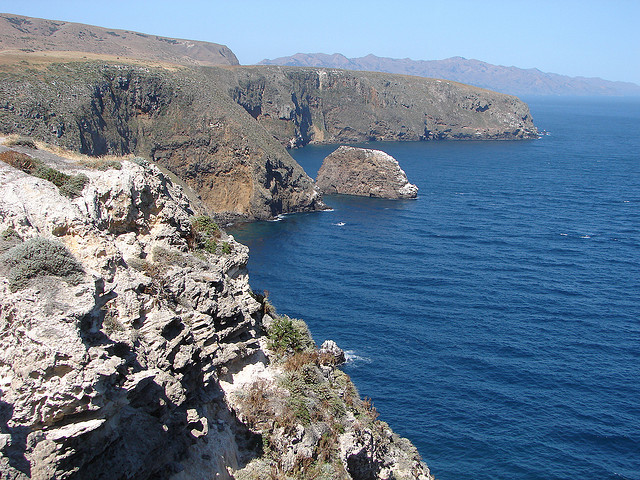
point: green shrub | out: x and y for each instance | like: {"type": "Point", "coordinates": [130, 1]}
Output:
{"type": "Point", "coordinates": [288, 335]}
{"type": "Point", "coordinates": [210, 245]}
{"type": "Point", "coordinates": [205, 233]}
{"type": "Point", "coordinates": [140, 161]}
{"type": "Point", "coordinates": [206, 226]}
{"type": "Point", "coordinates": [37, 257]}
{"type": "Point", "coordinates": [50, 174]}
{"type": "Point", "coordinates": [74, 185]}
{"type": "Point", "coordinates": [226, 248]}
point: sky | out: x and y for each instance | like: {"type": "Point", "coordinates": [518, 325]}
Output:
{"type": "Point", "coordinates": [591, 38]}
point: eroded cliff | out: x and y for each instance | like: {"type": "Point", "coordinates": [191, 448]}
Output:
{"type": "Point", "coordinates": [184, 120]}
{"type": "Point", "coordinates": [223, 130]}
{"type": "Point", "coordinates": [131, 345]}
{"type": "Point", "coordinates": [322, 105]}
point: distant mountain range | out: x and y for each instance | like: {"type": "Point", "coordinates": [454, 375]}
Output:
{"type": "Point", "coordinates": [511, 80]}
{"type": "Point", "coordinates": [27, 35]}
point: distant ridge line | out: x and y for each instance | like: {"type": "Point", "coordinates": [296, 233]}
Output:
{"type": "Point", "coordinates": [29, 34]}
{"type": "Point", "coordinates": [510, 80]}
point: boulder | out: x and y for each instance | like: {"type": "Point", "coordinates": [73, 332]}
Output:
{"type": "Point", "coordinates": [329, 347]}
{"type": "Point", "coordinates": [364, 172]}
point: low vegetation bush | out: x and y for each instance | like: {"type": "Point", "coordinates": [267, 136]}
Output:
{"type": "Point", "coordinates": [21, 142]}
{"type": "Point", "coordinates": [206, 232]}
{"type": "Point", "coordinates": [38, 257]}
{"type": "Point", "coordinates": [288, 335]}
{"type": "Point", "coordinates": [69, 185]}
{"type": "Point", "coordinates": [140, 161]}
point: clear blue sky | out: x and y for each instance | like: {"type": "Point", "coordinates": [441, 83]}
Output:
{"type": "Point", "coordinates": [593, 38]}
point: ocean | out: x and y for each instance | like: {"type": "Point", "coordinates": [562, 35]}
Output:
{"type": "Point", "coordinates": [495, 320]}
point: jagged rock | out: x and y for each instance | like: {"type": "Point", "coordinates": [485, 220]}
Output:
{"type": "Point", "coordinates": [329, 347]}
{"type": "Point", "coordinates": [116, 376]}
{"type": "Point", "coordinates": [364, 172]}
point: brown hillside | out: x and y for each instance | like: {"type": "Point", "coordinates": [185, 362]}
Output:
{"type": "Point", "coordinates": [28, 35]}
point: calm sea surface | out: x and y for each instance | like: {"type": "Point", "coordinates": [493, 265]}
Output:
{"type": "Point", "coordinates": [495, 320]}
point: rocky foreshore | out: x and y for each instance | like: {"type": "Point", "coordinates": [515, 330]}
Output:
{"type": "Point", "coordinates": [131, 345]}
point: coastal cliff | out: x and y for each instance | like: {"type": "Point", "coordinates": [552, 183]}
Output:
{"type": "Point", "coordinates": [320, 105]}
{"type": "Point", "coordinates": [184, 120]}
{"type": "Point", "coordinates": [223, 130]}
{"type": "Point", "coordinates": [131, 345]}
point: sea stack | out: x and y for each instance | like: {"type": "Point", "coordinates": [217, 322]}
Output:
{"type": "Point", "coordinates": [364, 172]}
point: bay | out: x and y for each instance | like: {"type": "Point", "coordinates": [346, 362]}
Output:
{"type": "Point", "coordinates": [495, 320]}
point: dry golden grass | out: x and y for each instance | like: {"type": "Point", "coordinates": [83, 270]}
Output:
{"type": "Point", "coordinates": [10, 59]}
{"type": "Point", "coordinates": [18, 160]}
{"type": "Point", "coordinates": [79, 158]}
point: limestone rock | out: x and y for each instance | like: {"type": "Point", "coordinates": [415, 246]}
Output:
{"type": "Point", "coordinates": [115, 375]}
{"type": "Point", "coordinates": [364, 172]}
{"type": "Point", "coordinates": [330, 348]}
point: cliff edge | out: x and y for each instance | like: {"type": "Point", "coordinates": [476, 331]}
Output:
{"type": "Point", "coordinates": [131, 345]}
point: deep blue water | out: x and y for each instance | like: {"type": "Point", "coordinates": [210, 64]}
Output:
{"type": "Point", "coordinates": [495, 320]}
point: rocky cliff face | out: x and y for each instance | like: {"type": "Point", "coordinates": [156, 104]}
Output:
{"type": "Point", "coordinates": [320, 105]}
{"type": "Point", "coordinates": [131, 345]}
{"type": "Point", "coordinates": [222, 130]}
{"type": "Point", "coordinates": [364, 172]}
{"type": "Point", "coordinates": [184, 120]}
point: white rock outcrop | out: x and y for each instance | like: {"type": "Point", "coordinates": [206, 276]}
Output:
{"type": "Point", "coordinates": [103, 377]}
